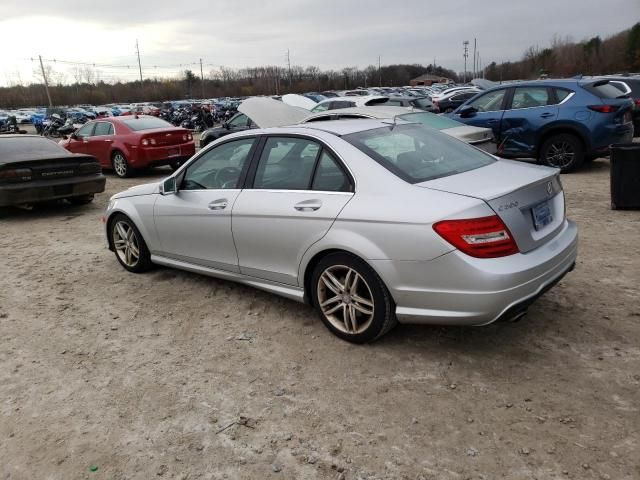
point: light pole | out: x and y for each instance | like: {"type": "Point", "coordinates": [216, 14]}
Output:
{"type": "Point", "coordinates": [465, 46]}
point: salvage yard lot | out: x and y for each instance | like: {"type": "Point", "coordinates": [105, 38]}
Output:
{"type": "Point", "coordinates": [148, 376]}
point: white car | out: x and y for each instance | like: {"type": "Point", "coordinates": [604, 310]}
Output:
{"type": "Point", "coordinates": [347, 102]}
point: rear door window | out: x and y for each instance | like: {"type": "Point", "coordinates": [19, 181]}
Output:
{"type": "Point", "coordinates": [103, 128]}
{"type": "Point", "coordinates": [286, 164]}
{"type": "Point", "coordinates": [530, 97]}
{"type": "Point", "coordinates": [329, 176]}
{"type": "Point", "coordinates": [562, 94]}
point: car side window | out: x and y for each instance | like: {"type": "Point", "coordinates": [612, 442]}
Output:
{"type": "Point", "coordinates": [321, 107]}
{"type": "Point", "coordinates": [286, 164]}
{"type": "Point", "coordinates": [85, 131]}
{"type": "Point", "coordinates": [329, 176]}
{"type": "Point", "coordinates": [489, 102]}
{"type": "Point", "coordinates": [240, 120]}
{"type": "Point", "coordinates": [103, 128]}
{"type": "Point", "coordinates": [529, 97]}
{"type": "Point", "coordinates": [219, 168]}
{"type": "Point", "coordinates": [561, 94]}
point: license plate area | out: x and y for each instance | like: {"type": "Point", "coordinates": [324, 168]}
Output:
{"type": "Point", "coordinates": [541, 215]}
{"type": "Point", "coordinates": [62, 189]}
{"type": "Point", "coordinates": [627, 117]}
{"type": "Point", "coordinates": [173, 152]}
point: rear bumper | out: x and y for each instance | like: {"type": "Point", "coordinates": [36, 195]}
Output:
{"type": "Point", "coordinates": [41, 191]}
{"type": "Point", "coordinates": [614, 134]}
{"type": "Point", "coordinates": [456, 289]}
{"type": "Point", "coordinates": [156, 156]}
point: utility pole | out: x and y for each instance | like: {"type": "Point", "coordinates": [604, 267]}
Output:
{"type": "Point", "coordinates": [465, 46]}
{"type": "Point", "coordinates": [139, 64]}
{"type": "Point", "coordinates": [289, 66]}
{"type": "Point", "coordinates": [46, 83]}
{"type": "Point", "coordinates": [201, 79]}
{"type": "Point", "coordinates": [475, 59]}
{"type": "Point", "coordinates": [379, 73]}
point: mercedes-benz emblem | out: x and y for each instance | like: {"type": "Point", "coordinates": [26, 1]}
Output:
{"type": "Point", "coordinates": [550, 188]}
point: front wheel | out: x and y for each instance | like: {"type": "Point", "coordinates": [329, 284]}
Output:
{"type": "Point", "coordinates": [352, 300]}
{"type": "Point", "coordinates": [563, 151]}
{"type": "Point", "coordinates": [128, 244]}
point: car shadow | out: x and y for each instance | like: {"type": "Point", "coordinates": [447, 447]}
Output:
{"type": "Point", "coordinates": [60, 208]}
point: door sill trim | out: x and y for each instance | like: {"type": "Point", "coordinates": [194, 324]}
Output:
{"type": "Point", "coordinates": [287, 291]}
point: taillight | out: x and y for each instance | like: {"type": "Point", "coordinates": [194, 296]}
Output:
{"type": "Point", "coordinates": [148, 141]}
{"type": "Point", "coordinates": [16, 175]}
{"type": "Point", "coordinates": [187, 137]}
{"type": "Point", "coordinates": [604, 108]}
{"type": "Point", "coordinates": [484, 237]}
{"type": "Point", "coordinates": [637, 102]}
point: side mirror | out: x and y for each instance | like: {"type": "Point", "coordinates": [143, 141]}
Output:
{"type": "Point", "coordinates": [466, 111]}
{"type": "Point", "coordinates": [225, 125]}
{"type": "Point", "coordinates": [169, 186]}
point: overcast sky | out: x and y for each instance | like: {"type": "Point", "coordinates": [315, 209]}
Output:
{"type": "Point", "coordinates": [328, 33]}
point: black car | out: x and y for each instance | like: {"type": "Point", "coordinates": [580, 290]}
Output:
{"type": "Point", "coordinates": [237, 123]}
{"type": "Point", "coordinates": [449, 104]}
{"type": "Point", "coordinates": [633, 82]}
{"type": "Point", "coordinates": [34, 169]}
{"type": "Point", "coordinates": [420, 103]}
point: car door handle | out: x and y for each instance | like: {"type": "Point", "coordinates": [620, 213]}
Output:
{"type": "Point", "coordinates": [220, 204]}
{"type": "Point", "coordinates": [308, 206]}
{"type": "Point", "coordinates": [547, 115]}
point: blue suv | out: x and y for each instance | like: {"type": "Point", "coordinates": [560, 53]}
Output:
{"type": "Point", "coordinates": [562, 123]}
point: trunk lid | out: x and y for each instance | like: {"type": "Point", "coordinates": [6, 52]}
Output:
{"type": "Point", "coordinates": [267, 112]}
{"type": "Point", "coordinates": [470, 134]}
{"type": "Point", "coordinates": [528, 198]}
{"type": "Point", "coordinates": [166, 136]}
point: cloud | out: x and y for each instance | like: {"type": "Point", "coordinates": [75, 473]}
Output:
{"type": "Point", "coordinates": [329, 34]}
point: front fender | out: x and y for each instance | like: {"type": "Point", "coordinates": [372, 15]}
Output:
{"type": "Point", "coordinates": [140, 212]}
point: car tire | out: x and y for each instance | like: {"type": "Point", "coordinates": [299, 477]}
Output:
{"type": "Point", "coordinates": [81, 200]}
{"type": "Point", "coordinates": [353, 302]}
{"type": "Point", "coordinates": [563, 151]}
{"type": "Point", "coordinates": [176, 165]}
{"type": "Point", "coordinates": [448, 110]}
{"type": "Point", "coordinates": [128, 245]}
{"type": "Point", "coordinates": [121, 165]}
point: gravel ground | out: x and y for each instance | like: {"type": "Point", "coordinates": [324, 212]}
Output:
{"type": "Point", "coordinates": [110, 375]}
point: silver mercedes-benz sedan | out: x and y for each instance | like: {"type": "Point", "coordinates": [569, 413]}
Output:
{"type": "Point", "coordinates": [371, 221]}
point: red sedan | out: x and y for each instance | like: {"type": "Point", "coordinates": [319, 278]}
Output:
{"type": "Point", "coordinates": [125, 144]}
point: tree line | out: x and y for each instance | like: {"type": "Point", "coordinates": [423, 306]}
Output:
{"type": "Point", "coordinates": [619, 53]}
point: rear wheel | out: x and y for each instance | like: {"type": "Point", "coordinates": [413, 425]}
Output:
{"type": "Point", "coordinates": [120, 165]}
{"type": "Point", "coordinates": [176, 165]}
{"type": "Point", "coordinates": [352, 299]}
{"type": "Point", "coordinates": [128, 244]}
{"type": "Point", "coordinates": [563, 151]}
{"type": "Point", "coordinates": [81, 200]}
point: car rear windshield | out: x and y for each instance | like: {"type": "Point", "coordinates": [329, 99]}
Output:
{"type": "Point", "coordinates": [417, 154]}
{"type": "Point", "coordinates": [13, 148]}
{"type": "Point", "coordinates": [145, 123]}
{"type": "Point", "coordinates": [603, 90]}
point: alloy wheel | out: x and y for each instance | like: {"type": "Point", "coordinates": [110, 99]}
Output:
{"type": "Point", "coordinates": [560, 154]}
{"type": "Point", "coordinates": [345, 299]}
{"type": "Point", "coordinates": [126, 244]}
{"type": "Point", "coordinates": [120, 164]}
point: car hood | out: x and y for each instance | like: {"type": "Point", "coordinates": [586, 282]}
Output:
{"type": "Point", "coordinates": [492, 181]}
{"type": "Point", "coordinates": [298, 101]}
{"type": "Point", "coordinates": [267, 112]}
{"type": "Point", "coordinates": [145, 189]}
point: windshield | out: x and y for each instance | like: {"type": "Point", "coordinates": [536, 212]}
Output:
{"type": "Point", "coordinates": [430, 120]}
{"type": "Point", "coordinates": [604, 89]}
{"type": "Point", "coordinates": [145, 123]}
{"type": "Point", "coordinates": [417, 154]}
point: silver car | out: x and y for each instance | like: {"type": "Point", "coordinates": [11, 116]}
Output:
{"type": "Point", "coordinates": [371, 221]}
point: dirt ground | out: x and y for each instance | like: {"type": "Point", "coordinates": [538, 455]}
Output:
{"type": "Point", "coordinates": [109, 375]}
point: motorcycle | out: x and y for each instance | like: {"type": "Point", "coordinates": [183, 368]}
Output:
{"type": "Point", "coordinates": [11, 126]}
